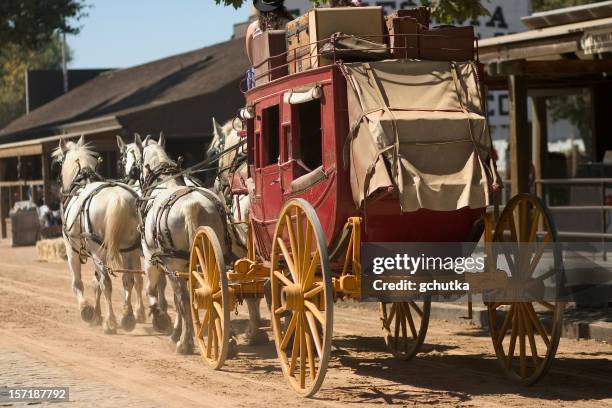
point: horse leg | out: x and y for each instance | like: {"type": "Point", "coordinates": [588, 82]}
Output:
{"type": "Point", "coordinates": [97, 315]}
{"type": "Point", "coordinates": [110, 323]}
{"type": "Point", "coordinates": [161, 292]}
{"type": "Point", "coordinates": [161, 320]}
{"type": "Point", "coordinates": [74, 264]}
{"type": "Point", "coordinates": [255, 335]}
{"type": "Point", "coordinates": [185, 343]}
{"type": "Point", "coordinates": [178, 321]}
{"type": "Point", "coordinates": [138, 285]}
{"type": "Point", "coordinates": [128, 320]}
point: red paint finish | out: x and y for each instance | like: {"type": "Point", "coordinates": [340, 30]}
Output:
{"type": "Point", "coordinates": [331, 196]}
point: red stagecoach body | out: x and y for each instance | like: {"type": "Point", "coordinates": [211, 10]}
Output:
{"type": "Point", "coordinates": [276, 148]}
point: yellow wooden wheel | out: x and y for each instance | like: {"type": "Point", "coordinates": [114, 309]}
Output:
{"type": "Point", "coordinates": [524, 232]}
{"type": "Point", "coordinates": [209, 297]}
{"type": "Point", "coordinates": [405, 326]}
{"type": "Point", "coordinates": [302, 297]}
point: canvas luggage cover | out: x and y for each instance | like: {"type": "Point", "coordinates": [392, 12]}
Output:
{"type": "Point", "coordinates": [418, 126]}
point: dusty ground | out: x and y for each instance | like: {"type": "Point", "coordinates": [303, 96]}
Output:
{"type": "Point", "coordinates": [44, 342]}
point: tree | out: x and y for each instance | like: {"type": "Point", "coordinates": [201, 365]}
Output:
{"type": "Point", "coordinates": [443, 11]}
{"type": "Point", "coordinates": [546, 5]}
{"type": "Point", "coordinates": [32, 23]}
{"type": "Point", "coordinates": [14, 62]}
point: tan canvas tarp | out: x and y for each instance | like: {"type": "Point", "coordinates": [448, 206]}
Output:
{"type": "Point", "coordinates": [418, 126]}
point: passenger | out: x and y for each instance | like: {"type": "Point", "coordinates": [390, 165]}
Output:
{"type": "Point", "coordinates": [271, 15]}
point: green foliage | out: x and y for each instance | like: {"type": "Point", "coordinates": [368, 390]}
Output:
{"type": "Point", "coordinates": [32, 23]}
{"type": "Point", "coordinates": [14, 61]}
{"type": "Point", "coordinates": [443, 11]}
{"type": "Point", "coordinates": [447, 11]}
{"type": "Point", "coordinates": [545, 5]}
{"type": "Point", "coordinates": [577, 110]}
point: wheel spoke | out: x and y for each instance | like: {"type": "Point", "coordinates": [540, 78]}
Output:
{"type": "Point", "coordinates": [399, 315]}
{"type": "Point", "coordinates": [294, 349]}
{"type": "Point", "coordinates": [280, 310]}
{"type": "Point", "coordinates": [547, 305]}
{"type": "Point", "coordinates": [200, 333]}
{"type": "Point", "coordinates": [512, 340]}
{"type": "Point", "coordinates": [315, 333]}
{"type": "Point", "coordinates": [505, 324]}
{"type": "Point", "coordinates": [522, 348]}
{"type": "Point", "coordinates": [534, 224]}
{"type": "Point", "coordinates": [410, 321]}
{"type": "Point", "coordinates": [210, 336]}
{"type": "Point", "coordinates": [315, 311]}
{"type": "Point", "coordinates": [538, 324]}
{"type": "Point", "coordinates": [307, 245]}
{"type": "Point", "coordinates": [416, 308]}
{"type": "Point", "coordinates": [302, 352]}
{"type": "Point", "coordinates": [199, 278]}
{"type": "Point", "coordinates": [283, 278]}
{"type": "Point", "coordinates": [289, 260]}
{"type": "Point", "coordinates": [201, 259]}
{"type": "Point", "coordinates": [311, 360]}
{"type": "Point", "coordinates": [528, 324]}
{"type": "Point", "coordinates": [289, 332]}
{"type": "Point", "coordinates": [309, 274]}
{"type": "Point", "coordinates": [538, 255]}
{"type": "Point", "coordinates": [295, 251]}
{"type": "Point", "coordinates": [314, 291]}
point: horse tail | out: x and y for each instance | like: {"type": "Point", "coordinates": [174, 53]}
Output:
{"type": "Point", "coordinates": [115, 223]}
{"type": "Point", "coordinates": [191, 212]}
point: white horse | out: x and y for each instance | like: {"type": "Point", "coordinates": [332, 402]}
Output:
{"type": "Point", "coordinates": [100, 221]}
{"type": "Point", "coordinates": [181, 209]}
{"type": "Point", "coordinates": [226, 139]}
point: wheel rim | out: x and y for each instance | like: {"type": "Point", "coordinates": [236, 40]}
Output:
{"type": "Point", "coordinates": [209, 297]}
{"type": "Point", "coordinates": [405, 327]}
{"type": "Point", "coordinates": [527, 337]}
{"type": "Point", "coordinates": [302, 297]}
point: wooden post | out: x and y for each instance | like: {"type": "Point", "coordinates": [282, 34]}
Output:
{"type": "Point", "coordinates": [540, 140]}
{"type": "Point", "coordinates": [46, 174]}
{"type": "Point", "coordinates": [520, 145]}
{"type": "Point", "coordinates": [2, 212]}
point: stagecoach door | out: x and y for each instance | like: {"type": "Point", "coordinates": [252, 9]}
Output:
{"type": "Point", "coordinates": [268, 158]}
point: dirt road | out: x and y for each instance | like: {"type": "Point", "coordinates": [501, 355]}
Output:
{"type": "Point", "coordinates": [44, 342]}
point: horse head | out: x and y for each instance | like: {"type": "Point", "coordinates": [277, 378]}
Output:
{"type": "Point", "coordinates": [130, 159]}
{"type": "Point", "coordinates": [76, 160]}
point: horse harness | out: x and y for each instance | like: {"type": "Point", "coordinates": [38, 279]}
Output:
{"type": "Point", "coordinates": [162, 236]}
{"type": "Point", "coordinates": [83, 178]}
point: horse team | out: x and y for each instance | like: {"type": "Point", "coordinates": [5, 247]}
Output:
{"type": "Point", "coordinates": [154, 212]}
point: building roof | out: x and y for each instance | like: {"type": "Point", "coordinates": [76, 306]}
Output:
{"type": "Point", "coordinates": [568, 15]}
{"type": "Point", "coordinates": [117, 93]}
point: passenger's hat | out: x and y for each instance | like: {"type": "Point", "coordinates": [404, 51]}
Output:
{"type": "Point", "coordinates": [267, 5]}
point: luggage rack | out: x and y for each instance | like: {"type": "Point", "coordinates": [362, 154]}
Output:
{"type": "Point", "coordinates": [291, 57]}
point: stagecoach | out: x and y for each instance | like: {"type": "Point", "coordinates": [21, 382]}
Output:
{"type": "Point", "coordinates": [366, 149]}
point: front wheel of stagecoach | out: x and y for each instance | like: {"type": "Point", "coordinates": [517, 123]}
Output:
{"type": "Point", "coordinates": [302, 297]}
{"type": "Point", "coordinates": [525, 333]}
{"type": "Point", "coordinates": [209, 297]}
{"type": "Point", "coordinates": [405, 326]}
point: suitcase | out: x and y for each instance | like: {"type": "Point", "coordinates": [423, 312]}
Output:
{"type": "Point", "coordinates": [298, 40]}
{"type": "Point", "coordinates": [420, 14]}
{"type": "Point", "coordinates": [403, 36]}
{"type": "Point", "coordinates": [447, 43]}
{"type": "Point", "coordinates": [269, 60]}
{"type": "Point", "coordinates": [319, 24]}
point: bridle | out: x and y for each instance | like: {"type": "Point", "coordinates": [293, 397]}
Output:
{"type": "Point", "coordinates": [134, 173]}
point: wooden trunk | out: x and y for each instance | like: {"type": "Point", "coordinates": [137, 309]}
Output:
{"type": "Point", "coordinates": [298, 48]}
{"type": "Point", "coordinates": [269, 56]}
{"type": "Point", "coordinates": [403, 36]}
{"type": "Point", "coordinates": [447, 43]}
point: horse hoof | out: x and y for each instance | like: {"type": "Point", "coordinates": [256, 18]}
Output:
{"type": "Point", "coordinates": [128, 322]}
{"type": "Point", "coordinates": [96, 320]}
{"type": "Point", "coordinates": [184, 347]}
{"type": "Point", "coordinates": [110, 327]}
{"type": "Point", "coordinates": [87, 313]}
{"type": "Point", "coordinates": [175, 336]}
{"type": "Point", "coordinates": [232, 350]}
{"type": "Point", "coordinates": [256, 337]}
{"type": "Point", "coordinates": [161, 322]}
{"type": "Point", "coordinates": [140, 316]}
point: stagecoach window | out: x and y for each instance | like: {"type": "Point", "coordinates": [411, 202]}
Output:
{"type": "Point", "coordinates": [309, 149]}
{"type": "Point", "coordinates": [270, 129]}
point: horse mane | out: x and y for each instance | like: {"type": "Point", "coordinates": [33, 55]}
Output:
{"type": "Point", "coordinates": [75, 158]}
{"type": "Point", "coordinates": [160, 155]}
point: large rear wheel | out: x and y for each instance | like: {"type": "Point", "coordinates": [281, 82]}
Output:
{"type": "Point", "coordinates": [526, 334]}
{"type": "Point", "coordinates": [209, 297]}
{"type": "Point", "coordinates": [302, 297]}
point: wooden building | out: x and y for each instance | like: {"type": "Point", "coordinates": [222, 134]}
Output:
{"type": "Point", "coordinates": [178, 95]}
